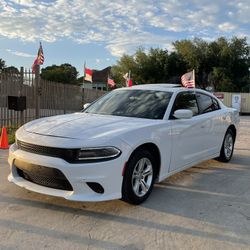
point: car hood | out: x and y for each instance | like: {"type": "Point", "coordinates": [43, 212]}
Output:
{"type": "Point", "coordinates": [85, 125]}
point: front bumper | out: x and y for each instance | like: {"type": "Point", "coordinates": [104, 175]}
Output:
{"type": "Point", "coordinates": [108, 174]}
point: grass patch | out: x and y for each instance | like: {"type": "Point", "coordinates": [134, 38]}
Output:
{"type": "Point", "coordinates": [11, 136]}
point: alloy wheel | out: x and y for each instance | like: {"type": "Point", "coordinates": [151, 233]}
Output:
{"type": "Point", "coordinates": [228, 145]}
{"type": "Point", "coordinates": [142, 177]}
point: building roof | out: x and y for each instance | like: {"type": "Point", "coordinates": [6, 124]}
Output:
{"type": "Point", "coordinates": [101, 75]}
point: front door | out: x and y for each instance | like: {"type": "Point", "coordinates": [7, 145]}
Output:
{"type": "Point", "coordinates": [189, 136]}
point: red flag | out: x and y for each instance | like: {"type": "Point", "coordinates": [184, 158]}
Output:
{"type": "Point", "coordinates": [34, 66]}
{"type": "Point", "coordinates": [130, 83]}
{"type": "Point", "coordinates": [88, 74]}
{"type": "Point", "coordinates": [128, 79]}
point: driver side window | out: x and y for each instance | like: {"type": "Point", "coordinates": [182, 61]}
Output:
{"type": "Point", "coordinates": [186, 100]}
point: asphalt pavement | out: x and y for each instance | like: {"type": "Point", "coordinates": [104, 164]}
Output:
{"type": "Point", "coordinates": [204, 207]}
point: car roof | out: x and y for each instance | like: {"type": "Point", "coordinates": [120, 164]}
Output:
{"type": "Point", "coordinates": [159, 87]}
{"type": "Point", "coordinates": [168, 87]}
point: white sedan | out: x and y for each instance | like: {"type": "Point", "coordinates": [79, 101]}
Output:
{"type": "Point", "coordinates": [123, 143]}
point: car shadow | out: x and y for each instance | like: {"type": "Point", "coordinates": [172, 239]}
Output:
{"type": "Point", "coordinates": [213, 193]}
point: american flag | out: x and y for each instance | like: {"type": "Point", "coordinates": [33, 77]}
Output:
{"type": "Point", "coordinates": [111, 82]}
{"type": "Point", "coordinates": [39, 59]}
{"type": "Point", "coordinates": [187, 80]}
{"type": "Point", "coordinates": [40, 55]}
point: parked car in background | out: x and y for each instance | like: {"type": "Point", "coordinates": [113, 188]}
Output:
{"type": "Point", "coordinates": [123, 143]}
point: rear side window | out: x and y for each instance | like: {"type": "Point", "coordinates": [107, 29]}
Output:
{"type": "Point", "coordinates": [216, 104]}
{"type": "Point", "coordinates": [206, 103]}
{"type": "Point", "coordinates": [186, 100]}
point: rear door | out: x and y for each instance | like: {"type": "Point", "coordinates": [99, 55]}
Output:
{"type": "Point", "coordinates": [210, 109]}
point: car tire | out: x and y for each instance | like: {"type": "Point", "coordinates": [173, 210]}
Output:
{"type": "Point", "coordinates": [138, 178]}
{"type": "Point", "coordinates": [227, 147]}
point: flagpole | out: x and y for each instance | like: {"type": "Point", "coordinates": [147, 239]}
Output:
{"type": "Point", "coordinates": [194, 77]}
{"type": "Point", "coordinates": [83, 83]}
{"type": "Point", "coordinates": [107, 87]}
{"type": "Point", "coordinates": [83, 79]}
{"type": "Point", "coordinates": [129, 73]}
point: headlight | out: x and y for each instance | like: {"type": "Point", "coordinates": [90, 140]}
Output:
{"type": "Point", "coordinates": [101, 153]}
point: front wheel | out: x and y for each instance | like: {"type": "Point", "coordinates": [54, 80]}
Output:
{"type": "Point", "coordinates": [138, 178]}
{"type": "Point", "coordinates": [227, 148]}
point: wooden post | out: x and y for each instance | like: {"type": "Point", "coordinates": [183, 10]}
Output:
{"type": "Point", "coordinates": [37, 91]}
{"type": "Point", "coordinates": [64, 98]}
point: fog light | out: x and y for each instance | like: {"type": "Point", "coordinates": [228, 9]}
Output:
{"type": "Point", "coordinates": [96, 187]}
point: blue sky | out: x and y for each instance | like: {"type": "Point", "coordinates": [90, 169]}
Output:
{"type": "Point", "coordinates": [100, 31]}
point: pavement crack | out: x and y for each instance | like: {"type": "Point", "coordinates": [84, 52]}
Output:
{"type": "Point", "coordinates": [246, 216]}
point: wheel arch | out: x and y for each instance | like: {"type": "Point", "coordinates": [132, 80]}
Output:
{"type": "Point", "coordinates": [233, 129]}
{"type": "Point", "coordinates": [154, 150]}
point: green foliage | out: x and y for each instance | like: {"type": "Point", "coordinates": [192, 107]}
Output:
{"type": "Point", "coordinates": [11, 69]}
{"type": "Point", "coordinates": [154, 66]}
{"type": "Point", "coordinates": [65, 73]}
{"type": "Point", "coordinates": [11, 134]}
{"type": "Point", "coordinates": [7, 69]}
{"type": "Point", "coordinates": [2, 64]}
{"type": "Point", "coordinates": [222, 64]}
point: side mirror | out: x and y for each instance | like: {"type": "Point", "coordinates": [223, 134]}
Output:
{"type": "Point", "coordinates": [183, 114]}
{"type": "Point", "coordinates": [86, 105]}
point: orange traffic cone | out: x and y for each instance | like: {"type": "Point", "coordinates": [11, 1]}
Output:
{"type": "Point", "coordinates": [4, 139]}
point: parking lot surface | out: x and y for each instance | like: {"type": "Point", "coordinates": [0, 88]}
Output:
{"type": "Point", "coordinates": [204, 207]}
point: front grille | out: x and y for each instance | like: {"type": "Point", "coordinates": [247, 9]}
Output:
{"type": "Point", "coordinates": [44, 176]}
{"type": "Point", "coordinates": [69, 155]}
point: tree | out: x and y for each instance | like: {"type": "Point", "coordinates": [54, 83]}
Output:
{"type": "Point", "coordinates": [195, 55]}
{"type": "Point", "coordinates": [154, 66]}
{"type": "Point", "coordinates": [11, 69]}
{"type": "Point", "coordinates": [222, 63]}
{"type": "Point", "coordinates": [123, 66]}
{"type": "Point", "coordinates": [65, 73]}
{"type": "Point", "coordinates": [2, 64]}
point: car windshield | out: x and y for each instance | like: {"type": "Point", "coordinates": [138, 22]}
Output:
{"type": "Point", "coordinates": [132, 103]}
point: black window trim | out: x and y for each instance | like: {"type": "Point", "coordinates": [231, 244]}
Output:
{"type": "Point", "coordinates": [171, 117]}
{"type": "Point", "coordinates": [212, 98]}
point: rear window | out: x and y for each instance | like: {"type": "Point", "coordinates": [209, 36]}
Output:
{"type": "Point", "coordinates": [206, 103]}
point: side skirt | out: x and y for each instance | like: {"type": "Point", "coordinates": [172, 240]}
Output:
{"type": "Point", "coordinates": [161, 178]}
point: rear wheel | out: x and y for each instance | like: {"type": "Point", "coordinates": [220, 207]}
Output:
{"type": "Point", "coordinates": [227, 148]}
{"type": "Point", "coordinates": [138, 179]}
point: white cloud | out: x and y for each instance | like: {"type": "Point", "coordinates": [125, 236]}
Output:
{"type": "Point", "coordinates": [227, 27]}
{"type": "Point", "coordinates": [121, 25]}
{"type": "Point", "coordinates": [243, 10]}
{"type": "Point", "coordinates": [29, 3]}
{"type": "Point", "coordinates": [19, 53]}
